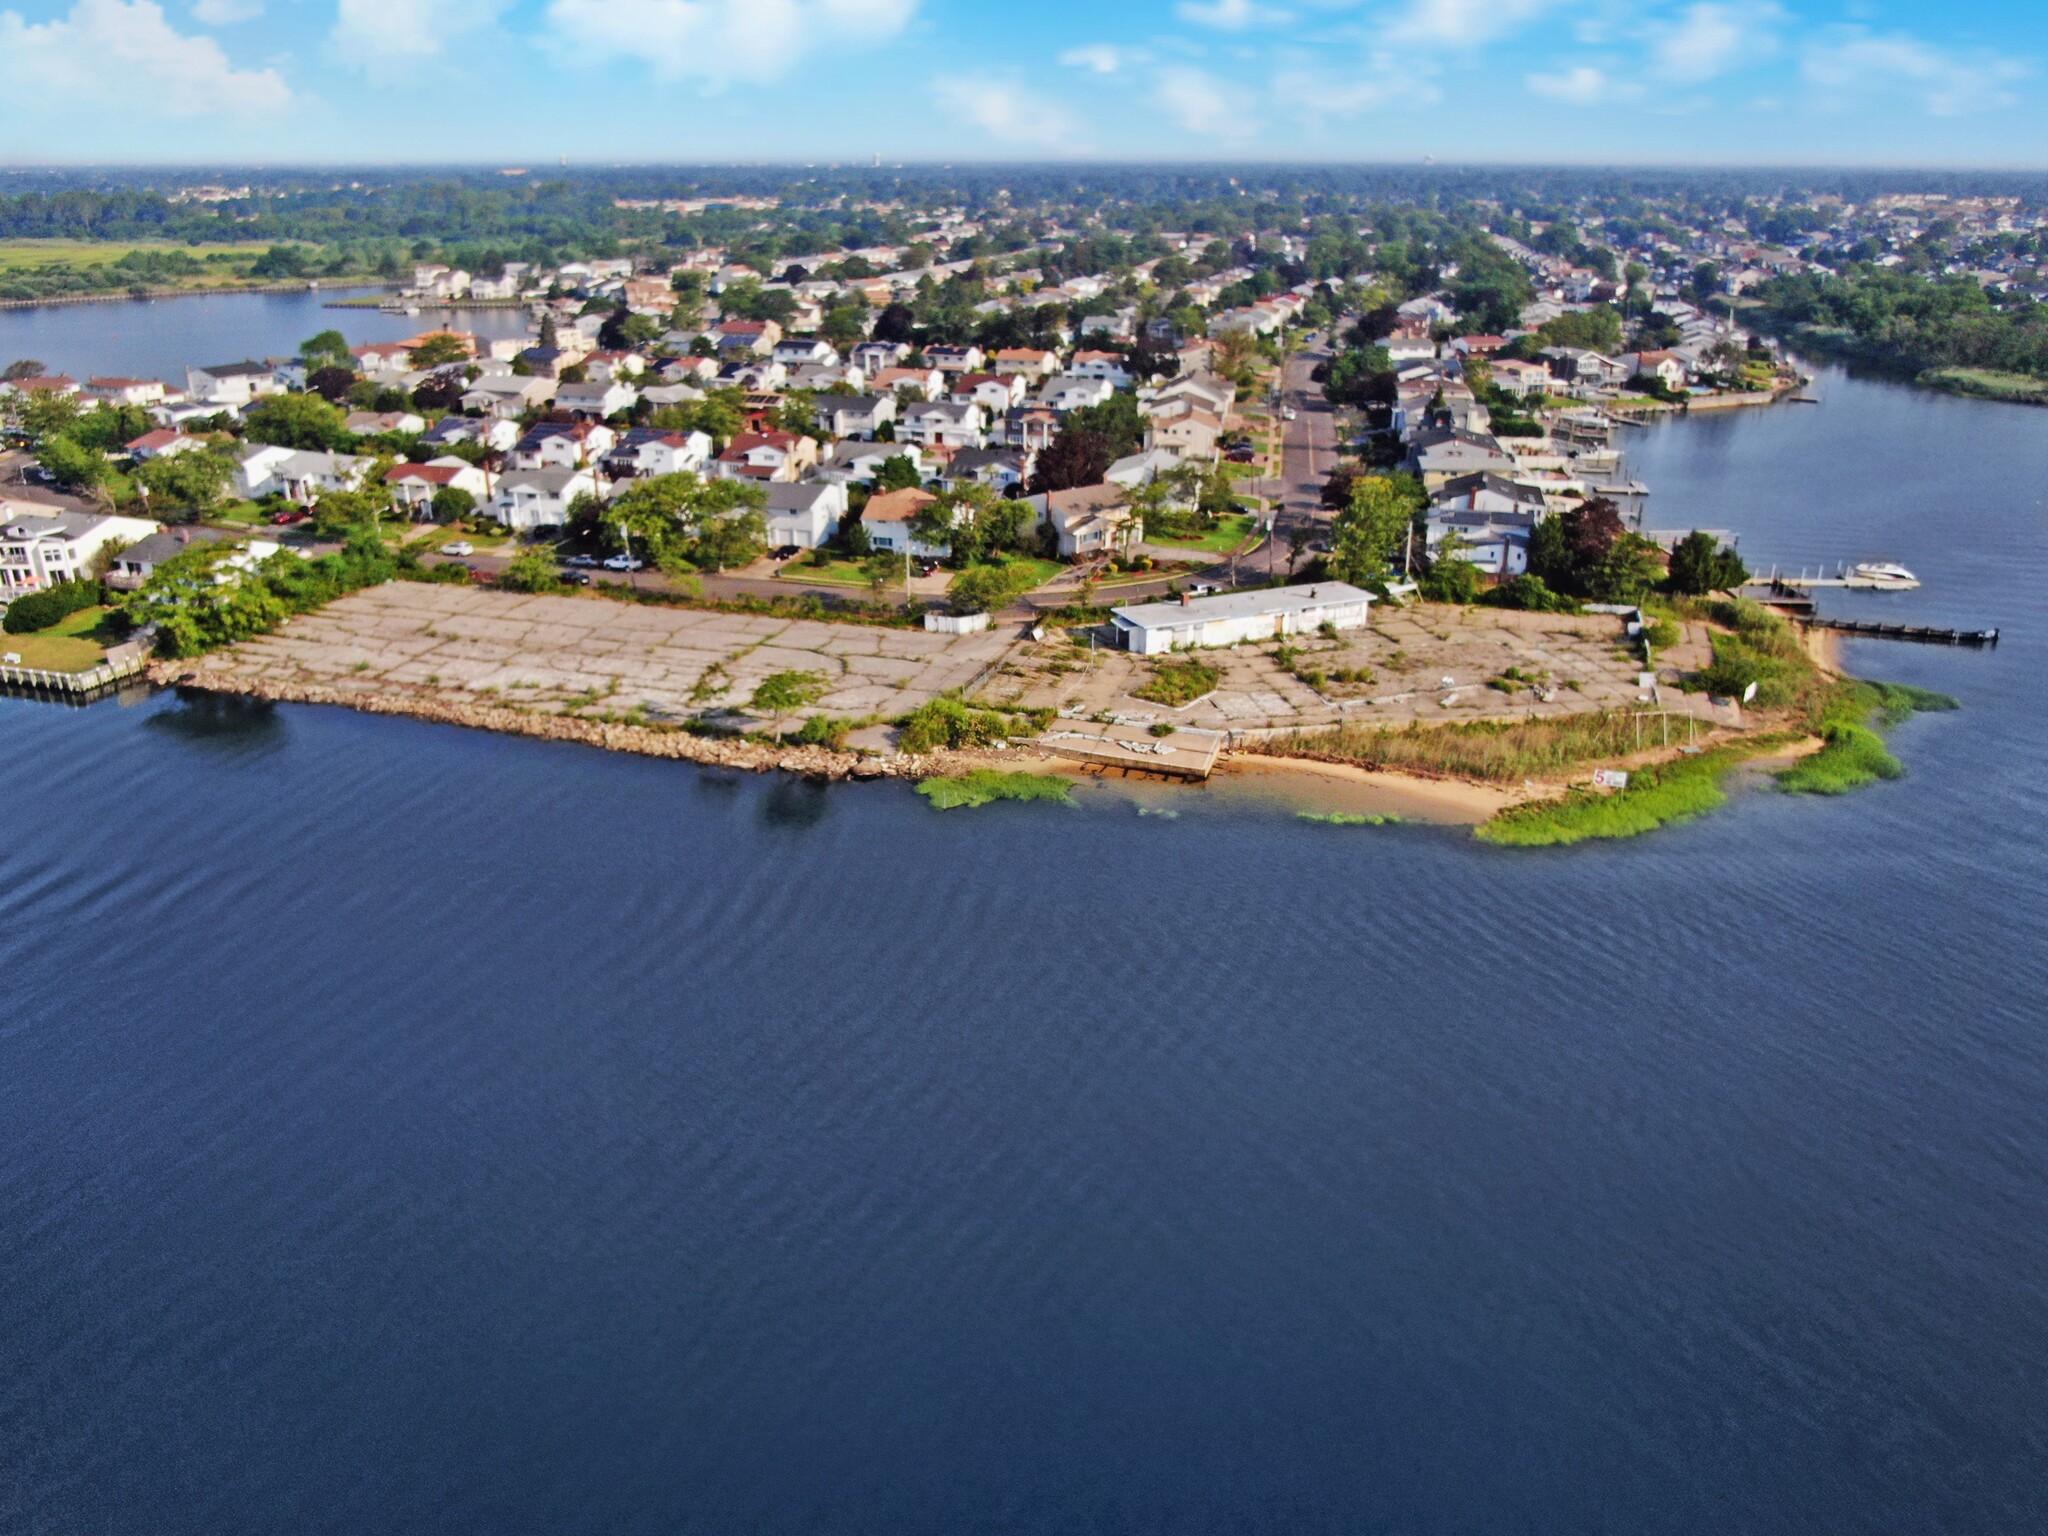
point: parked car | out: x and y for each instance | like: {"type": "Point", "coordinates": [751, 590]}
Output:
{"type": "Point", "coordinates": [288, 519]}
{"type": "Point", "coordinates": [581, 562]}
{"type": "Point", "coordinates": [787, 552]}
{"type": "Point", "coordinates": [575, 578]}
{"type": "Point", "coordinates": [1289, 413]}
{"type": "Point", "coordinates": [625, 563]}
{"type": "Point", "coordinates": [1204, 589]}
{"type": "Point", "coordinates": [459, 547]}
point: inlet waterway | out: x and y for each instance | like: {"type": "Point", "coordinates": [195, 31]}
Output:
{"type": "Point", "coordinates": [407, 1129]}
{"type": "Point", "coordinates": [160, 338]}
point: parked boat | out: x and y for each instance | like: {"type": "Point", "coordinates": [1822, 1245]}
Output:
{"type": "Point", "coordinates": [1882, 576]}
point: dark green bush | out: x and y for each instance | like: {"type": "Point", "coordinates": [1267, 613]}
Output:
{"type": "Point", "coordinates": [52, 605]}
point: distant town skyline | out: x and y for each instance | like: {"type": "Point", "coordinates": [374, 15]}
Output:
{"type": "Point", "coordinates": [1885, 82]}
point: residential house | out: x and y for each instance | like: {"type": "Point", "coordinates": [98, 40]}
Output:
{"type": "Point", "coordinates": [1211, 392]}
{"type": "Point", "coordinates": [231, 385]}
{"type": "Point", "coordinates": [856, 416]}
{"type": "Point", "coordinates": [994, 393]}
{"type": "Point", "coordinates": [1031, 427]}
{"type": "Point", "coordinates": [1520, 379]}
{"type": "Point", "coordinates": [41, 546]}
{"type": "Point", "coordinates": [498, 436]}
{"type": "Point", "coordinates": [767, 456]}
{"type": "Point", "coordinates": [649, 296]}
{"type": "Point", "coordinates": [805, 351]}
{"type": "Point", "coordinates": [1445, 453]}
{"type": "Point", "coordinates": [1029, 361]}
{"type": "Point", "coordinates": [135, 564]}
{"type": "Point", "coordinates": [969, 359]}
{"type": "Point", "coordinates": [377, 423]}
{"type": "Point", "coordinates": [126, 391]}
{"type": "Point", "coordinates": [887, 520]}
{"type": "Point", "coordinates": [942, 424]}
{"type": "Point", "coordinates": [1101, 365]}
{"type": "Point", "coordinates": [853, 463]}
{"type": "Point", "coordinates": [805, 515]}
{"type": "Point", "coordinates": [607, 367]}
{"type": "Point", "coordinates": [43, 384]}
{"type": "Point", "coordinates": [1487, 491]}
{"type": "Point", "coordinates": [1067, 393]}
{"type": "Point", "coordinates": [562, 445]}
{"type": "Point", "coordinates": [383, 357]}
{"type": "Point", "coordinates": [1496, 542]}
{"type": "Point", "coordinates": [1142, 468]}
{"type": "Point", "coordinates": [1667, 367]}
{"type": "Point", "coordinates": [507, 396]}
{"type": "Point", "coordinates": [1580, 369]}
{"type": "Point", "coordinates": [599, 402]}
{"type": "Point", "coordinates": [754, 374]}
{"type": "Point", "coordinates": [414, 486]}
{"type": "Point", "coordinates": [751, 336]}
{"type": "Point", "coordinates": [1002, 470]}
{"type": "Point", "coordinates": [164, 442]}
{"type": "Point", "coordinates": [875, 357]}
{"type": "Point", "coordinates": [925, 383]}
{"type": "Point", "coordinates": [1091, 521]}
{"type": "Point", "coordinates": [645, 452]}
{"type": "Point", "coordinates": [296, 474]}
{"type": "Point", "coordinates": [822, 378]}
{"type": "Point", "coordinates": [1186, 429]}
{"type": "Point", "coordinates": [539, 498]}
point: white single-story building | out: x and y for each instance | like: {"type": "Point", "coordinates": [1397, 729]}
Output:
{"type": "Point", "coordinates": [1231, 617]}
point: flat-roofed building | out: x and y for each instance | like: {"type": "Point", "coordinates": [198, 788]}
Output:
{"type": "Point", "coordinates": [1230, 618]}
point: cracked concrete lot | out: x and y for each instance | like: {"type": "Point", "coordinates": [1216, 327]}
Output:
{"type": "Point", "coordinates": [560, 653]}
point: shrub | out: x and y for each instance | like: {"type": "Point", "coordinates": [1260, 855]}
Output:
{"type": "Point", "coordinates": [1180, 681]}
{"type": "Point", "coordinates": [1529, 594]}
{"type": "Point", "coordinates": [787, 691]}
{"type": "Point", "coordinates": [52, 605]}
{"type": "Point", "coordinates": [950, 723]}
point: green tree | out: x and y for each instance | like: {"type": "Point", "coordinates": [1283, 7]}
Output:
{"type": "Point", "coordinates": [714, 523]}
{"type": "Point", "coordinates": [1367, 534]}
{"type": "Point", "coordinates": [71, 464]}
{"type": "Point", "coordinates": [451, 504]}
{"type": "Point", "coordinates": [532, 570]}
{"type": "Point", "coordinates": [1630, 570]}
{"type": "Point", "coordinates": [1592, 330]}
{"type": "Point", "coordinates": [329, 349]}
{"type": "Point", "coordinates": [1701, 564]}
{"type": "Point", "coordinates": [990, 588]}
{"type": "Point", "coordinates": [192, 482]}
{"type": "Point", "coordinates": [897, 473]}
{"type": "Point", "coordinates": [439, 350]}
{"type": "Point", "coordinates": [342, 514]}
{"type": "Point", "coordinates": [297, 421]}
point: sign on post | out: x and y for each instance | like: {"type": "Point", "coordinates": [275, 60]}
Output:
{"type": "Point", "coordinates": [1609, 778]}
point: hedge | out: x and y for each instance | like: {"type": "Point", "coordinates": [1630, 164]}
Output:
{"type": "Point", "coordinates": [52, 605]}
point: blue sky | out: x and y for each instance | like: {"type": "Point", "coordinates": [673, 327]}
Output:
{"type": "Point", "coordinates": [1899, 82]}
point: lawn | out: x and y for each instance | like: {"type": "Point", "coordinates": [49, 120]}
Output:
{"type": "Point", "coordinates": [71, 646]}
{"type": "Point", "coordinates": [1041, 571]}
{"type": "Point", "coordinates": [835, 573]}
{"type": "Point", "coordinates": [1228, 533]}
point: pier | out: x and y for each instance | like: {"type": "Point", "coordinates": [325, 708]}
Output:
{"type": "Point", "coordinates": [77, 685]}
{"type": "Point", "coordinates": [1924, 634]}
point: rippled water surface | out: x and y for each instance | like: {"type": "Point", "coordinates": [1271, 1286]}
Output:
{"type": "Point", "coordinates": [410, 1130]}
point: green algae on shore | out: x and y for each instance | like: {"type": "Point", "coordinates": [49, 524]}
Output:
{"type": "Point", "coordinates": [985, 786]}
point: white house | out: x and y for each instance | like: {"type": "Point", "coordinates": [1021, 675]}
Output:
{"type": "Point", "coordinates": [1090, 520]}
{"type": "Point", "coordinates": [805, 515]}
{"type": "Point", "coordinates": [941, 424]}
{"type": "Point", "coordinates": [539, 498]}
{"type": "Point", "coordinates": [506, 395]}
{"type": "Point", "coordinates": [42, 546]}
{"type": "Point", "coordinates": [849, 463]}
{"type": "Point", "coordinates": [495, 434]}
{"type": "Point", "coordinates": [562, 445]}
{"type": "Point", "coordinates": [164, 442]}
{"type": "Point", "coordinates": [597, 400]}
{"type": "Point", "coordinates": [860, 416]}
{"type": "Point", "coordinates": [414, 486]}
{"type": "Point", "coordinates": [646, 452]}
{"type": "Point", "coordinates": [1230, 618]}
{"type": "Point", "coordinates": [262, 469]}
{"type": "Point", "coordinates": [887, 520]}
{"type": "Point", "coordinates": [1067, 393]}
{"type": "Point", "coordinates": [231, 384]}
{"type": "Point", "coordinates": [126, 391]}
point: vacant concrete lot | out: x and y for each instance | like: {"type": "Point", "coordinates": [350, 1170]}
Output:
{"type": "Point", "coordinates": [1423, 663]}
{"type": "Point", "coordinates": [562, 653]}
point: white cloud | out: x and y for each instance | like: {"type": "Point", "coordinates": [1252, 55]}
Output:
{"type": "Point", "coordinates": [1199, 103]}
{"type": "Point", "coordinates": [124, 56]}
{"type": "Point", "coordinates": [1005, 110]}
{"type": "Point", "coordinates": [1381, 83]}
{"type": "Point", "coordinates": [225, 13]}
{"type": "Point", "coordinates": [1583, 86]}
{"type": "Point", "coordinates": [721, 40]}
{"type": "Point", "coordinates": [380, 31]}
{"type": "Point", "coordinates": [1856, 63]}
{"type": "Point", "coordinates": [1463, 23]}
{"type": "Point", "coordinates": [1710, 38]}
{"type": "Point", "coordinates": [1229, 15]}
{"type": "Point", "coordinates": [1101, 58]}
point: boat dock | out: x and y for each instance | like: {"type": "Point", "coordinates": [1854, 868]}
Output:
{"type": "Point", "coordinates": [90, 683]}
{"type": "Point", "coordinates": [1919, 632]}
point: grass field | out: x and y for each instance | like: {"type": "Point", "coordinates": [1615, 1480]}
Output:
{"type": "Point", "coordinates": [839, 573]}
{"type": "Point", "coordinates": [1228, 533]}
{"type": "Point", "coordinates": [72, 646]}
{"type": "Point", "coordinates": [2021, 388]}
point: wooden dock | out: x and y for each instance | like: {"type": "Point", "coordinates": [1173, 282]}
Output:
{"type": "Point", "coordinates": [1921, 633]}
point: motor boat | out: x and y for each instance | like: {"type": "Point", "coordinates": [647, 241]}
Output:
{"type": "Point", "coordinates": [1882, 576]}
